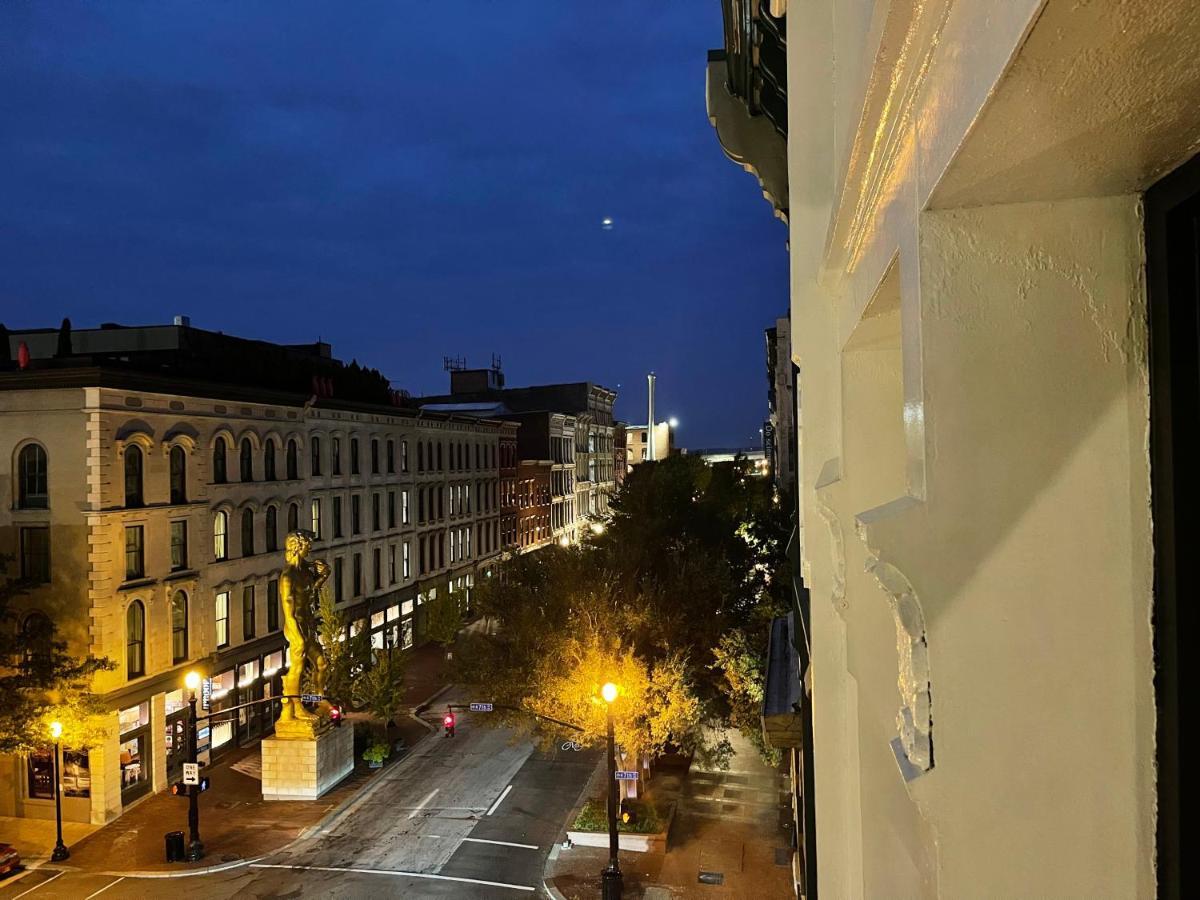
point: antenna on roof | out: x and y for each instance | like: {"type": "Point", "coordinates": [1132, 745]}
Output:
{"type": "Point", "coordinates": [496, 362]}
{"type": "Point", "coordinates": [454, 363]}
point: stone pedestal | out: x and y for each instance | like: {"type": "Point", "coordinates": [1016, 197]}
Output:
{"type": "Point", "coordinates": [305, 768]}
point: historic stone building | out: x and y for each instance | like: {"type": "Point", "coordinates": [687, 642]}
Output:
{"type": "Point", "coordinates": [992, 211]}
{"type": "Point", "coordinates": [147, 481]}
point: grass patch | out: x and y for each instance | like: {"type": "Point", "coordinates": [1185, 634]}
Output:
{"type": "Point", "coordinates": [644, 817]}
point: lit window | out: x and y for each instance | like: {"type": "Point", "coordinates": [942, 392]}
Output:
{"type": "Point", "coordinates": [222, 617]}
{"type": "Point", "coordinates": [32, 481]}
{"type": "Point", "coordinates": [221, 535]}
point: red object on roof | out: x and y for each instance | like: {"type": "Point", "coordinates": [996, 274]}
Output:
{"type": "Point", "coordinates": [23, 355]}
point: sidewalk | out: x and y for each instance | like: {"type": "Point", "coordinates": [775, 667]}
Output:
{"type": "Point", "coordinates": [726, 823]}
{"type": "Point", "coordinates": [236, 824]}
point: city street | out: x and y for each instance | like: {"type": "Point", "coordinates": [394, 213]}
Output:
{"type": "Point", "coordinates": [470, 816]}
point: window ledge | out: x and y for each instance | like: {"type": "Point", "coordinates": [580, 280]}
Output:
{"type": "Point", "coordinates": [135, 584]}
{"type": "Point", "coordinates": [182, 573]}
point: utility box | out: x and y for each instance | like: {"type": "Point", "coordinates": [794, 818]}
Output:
{"type": "Point", "coordinates": [175, 851]}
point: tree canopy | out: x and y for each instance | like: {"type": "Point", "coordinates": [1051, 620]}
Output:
{"type": "Point", "coordinates": [671, 601]}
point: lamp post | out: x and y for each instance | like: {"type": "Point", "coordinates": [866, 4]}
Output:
{"type": "Point", "coordinates": [60, 849]}
{"type": "Point", "coordinates": [610, 878]}
{"type": "Point", "coordinates": [195, 847]}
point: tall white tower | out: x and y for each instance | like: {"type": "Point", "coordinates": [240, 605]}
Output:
{"type": "Point", "coordinates": [650, 419]}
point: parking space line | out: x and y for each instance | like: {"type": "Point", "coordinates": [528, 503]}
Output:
{"type": "Point", "coordinates": [397, 874]}
{"type": "Point", "coordinates": [501, 843]}
{"type": "Point", "coordinates": [499, 800]}
{"type": "Point", "coordinates": [36, 886]}
{"type": "Point", "coordinates": [420, 806]}
{"type": "Point", "coordinates": [103, 889]}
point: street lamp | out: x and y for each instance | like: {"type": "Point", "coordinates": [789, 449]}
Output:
{"type": "Point", "coordinates": [610, 878]}
{"type": "Point", "coordinates": [195, 847]}
{"type": "Point", "coordinates": [60, 849]}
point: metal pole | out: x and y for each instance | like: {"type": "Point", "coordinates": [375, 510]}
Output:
{"type": "Point", "coordinates": [60, 849]}
{"type": "Point", "coordinates": [195, 847]}
{"type": "Point", "coordinates": [610, 878]}
{"type": "Point", "coordinates": [651, 444]}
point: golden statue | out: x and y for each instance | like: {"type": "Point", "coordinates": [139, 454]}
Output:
{"type": "Point", "coordinates": [299, 597]}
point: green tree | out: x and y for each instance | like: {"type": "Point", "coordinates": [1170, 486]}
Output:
{"type": "Point", "coordinates": [379, 689]}
{"type": "Point", "coordinates": [42, 682]}
{"type": "Point", "coordinates": [443, 619]}
{"type": "Point", "coordinates": [345, 656]}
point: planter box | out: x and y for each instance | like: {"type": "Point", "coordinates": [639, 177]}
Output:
{"type": "Point", "coordinates": [635, 843]}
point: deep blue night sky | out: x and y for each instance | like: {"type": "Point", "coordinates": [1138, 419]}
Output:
{"type": "Point", "coordinates": [403, 180]}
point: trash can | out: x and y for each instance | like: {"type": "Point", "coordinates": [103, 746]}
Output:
{"type": "Point", "coordinates": [175, 846]}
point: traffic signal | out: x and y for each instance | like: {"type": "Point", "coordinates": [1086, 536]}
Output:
{"type": "Point", "coordinates": [335, 716]}
{"type": "Point", "coordinates": [448, 721]}
{"type": "Point", "coordinates": [179, 789]}
{"type": "Point", "coordinates": [203, 785]}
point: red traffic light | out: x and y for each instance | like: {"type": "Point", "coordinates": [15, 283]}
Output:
{"type": "Point", "coordinates": [335, 716]}
{"type": "Point", "coordinates": [179, 789]}
{"type": "Point", "coordinates": [448, 720]}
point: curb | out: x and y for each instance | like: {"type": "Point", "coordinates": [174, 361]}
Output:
{"type": "Point", "coordinates": [574, 812]}
{"type": "Point", "coordinates": [415, 712]}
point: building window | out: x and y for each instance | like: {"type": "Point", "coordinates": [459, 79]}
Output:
{"type": "Point", "coordinates": [31, 474]}
{"type": "Point", "coordinates": [179, 545]}
{"type": "Point", "coordinates": [375, 513]}
{"type": "Point", "coordinates": [404, 456]}
{"type": "Point", "coordinates": [421, 505]}
{"type": "Point", "coordinates": [338, 577]}
{"type": "Point", "coordinates": [391, 457]}
{"type": "Point", "coordinates": [355, 514]}
{"type": "Point", "coordinates": [374, 456]}
{"type": "Point", "coordinates": [353, 456]}
{"type": "Point", "coordinates": [269, 460]}
{"type": "Point", "coordinates": [420, 456]}
{"type": "Point", "coordinates": [316, 456]}
{"type": "Point", "coordinates": [377, 567]}
{"type": "Point", "coordinates": [218, 461]}
{"type": "Point", "coordinates": [292, 462]}
{"type": "Point", "coordinates": [135, 552]}
{"type": "Point", "coordinates": [247, 532]}
{"type": "Point", "coordinates": [222, 617]}
{"type": "Point", "coordinates": [35, 555]}
{"type": "Point", "coordinates": [335, 461]}
{"type": "Point", "coordinates": [273, 605]}
{"type": "Point", "coordinates": [391, 509]}
{"type": "Point", "coordinates": [178, 466]}
{"type": "Point", "coordinates": [135, 640]}
{"type": "Point", "coordinates": [440, 468]}
{"type": "Point", "coordinates": [247, 612]}
{"type": "Point", "coordinates": [316, 519]}
{"type": "Point", "coordinates": [221, 535]}
{"type": "Point", "coordinates": [404, 506]}
{"type": "Point", "coordinates": [271, 535]}
{"type": "Point", "coordinates": [246, 460]}
{"type": "Point", "coordinates": [407, 570]}
{"type": "Point", "coordinates": [358, 579]}
{"type": "Point", "coordinates": [133, 476]}
{"type": "Point", "coordinates": [293, 522]}
{"type": "Point", "coordinates": [179, 628]}
{"type": "Point", "coordinates": [392, 564]}
{"type": "Point", "coordinates": [337, 517]}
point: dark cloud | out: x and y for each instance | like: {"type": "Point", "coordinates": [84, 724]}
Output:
{"type": "Point", "coordinates": [404, 180]}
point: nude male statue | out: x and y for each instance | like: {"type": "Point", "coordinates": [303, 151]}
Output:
{"type": "Point", "coordinates": [299, 595]}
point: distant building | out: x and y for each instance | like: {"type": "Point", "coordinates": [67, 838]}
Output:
{"type": "Point", "coordinates": [780, 433]}
{"type": "Point", "coordinates": [148, 477]}
{"type": "Point", "coordinates": [637, 443]}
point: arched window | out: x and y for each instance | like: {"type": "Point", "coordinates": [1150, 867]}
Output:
{"type": "Point", "coordinates": [31, 478]}
{"type": "Point", "coordinates": [269, 460]}
{"type": "Point", "coordinates": [246, 467]}
{"type": "Point", "coordinates": [218, 467]}
{"type": "Point", "coordinates": [36, 634]}
{"type": "Point", "coordinates": [316, 456]}
{"type": "Point", "coordinates": [135, 640]}
{"type": "Point", "coordinates": [179, 628]}
{"type": "Point", "coordinates": [293, 463]}
{"type": "Point", "coordinates": [221, 535]}
{"type": "Point", "coordinates": [293, 517]}
{"type": "Point", "coordinates": [271, 538]}
{"type": "Point", "coordinates": [133, 475]}
{"type": "Point", "coordinates": [178, 474]}
{"type": "Point", "coordinates": [247, 532]}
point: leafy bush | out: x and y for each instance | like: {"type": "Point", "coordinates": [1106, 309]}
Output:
{"type": "Point", "coordinates": [377, 753]}
{"type": "Point", "coordinates": [644, 818]}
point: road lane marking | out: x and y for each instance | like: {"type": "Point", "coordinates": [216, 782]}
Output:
{"type": "Point", "coordinates": [396, 874]}
{"type": "Point", "coordinates": [420, 806]}
{"type": "Point", "coordinates": [499, 800]}
{"type": "Point", "coordinates": [103, 889]}
{"type": "Point", "coordinates": [502, 843]}
{"type": "Point", "coordinates": [36, 886]}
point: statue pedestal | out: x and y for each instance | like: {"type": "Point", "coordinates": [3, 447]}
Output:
{"type": "Point", "coordinates": [305, 767]}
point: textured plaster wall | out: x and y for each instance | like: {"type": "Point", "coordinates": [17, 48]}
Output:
{"type": "Point", "coordinates": [975, 470]}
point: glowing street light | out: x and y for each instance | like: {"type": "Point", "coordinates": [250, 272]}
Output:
{"type": "Point", "coordinates": [195, 848]}
{"type": "Point", "coordinates": [60, 849]}
{"type": "Point", "coordinates": [610, 878]}
{"type": "Point", "coordinates": [564, 541]}
{"type": "Point", "coordinates": [673, 422]}
{"type": "Point", "coordinates": [597, 528]}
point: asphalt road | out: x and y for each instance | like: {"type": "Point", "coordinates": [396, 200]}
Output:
{"type": "Point", "coordinates": [473, 816]}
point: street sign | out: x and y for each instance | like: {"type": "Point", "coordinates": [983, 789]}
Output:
{"type": "Point", "coordinates": [481, 707]}
{"type": "Point", "coordinates": [191, 773]}
{"type": "Point", "coordinates": [625, 776]}
{"type": "Point", "coordinates": [311, 698]}
{"type": "Point", "coordinates": [206, 693]}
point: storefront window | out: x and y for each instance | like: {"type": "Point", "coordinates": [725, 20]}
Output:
{"type": "Point", "coordinates": [41, 775]}
{"type": "Point", "coordinates": [76, 774]}
{"type": "Point", "coordinates": [247, 673]}
{"type": "Point", "coordinates": [272, 663]}
{"type": "Point", "coordinates": [406, 633]}
{"type": "Point", "coordinates": [134, 717]}
{"type": "Point", "coordinates": [175, 701]}
{"type": "Point", "coordinates": [135, 751]}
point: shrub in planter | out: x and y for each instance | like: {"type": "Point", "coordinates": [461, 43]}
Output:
{"type": "Point", "coordinates": [376, 754]}
{"type": "Point", "coordinates": [643, 817]}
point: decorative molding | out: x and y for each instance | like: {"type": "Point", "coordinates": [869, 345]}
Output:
{"type": "Point", "coordinates": [831, 473]}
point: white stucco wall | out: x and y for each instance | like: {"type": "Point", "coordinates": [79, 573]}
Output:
{"type": "Point", "coordinates": [976, 492]}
